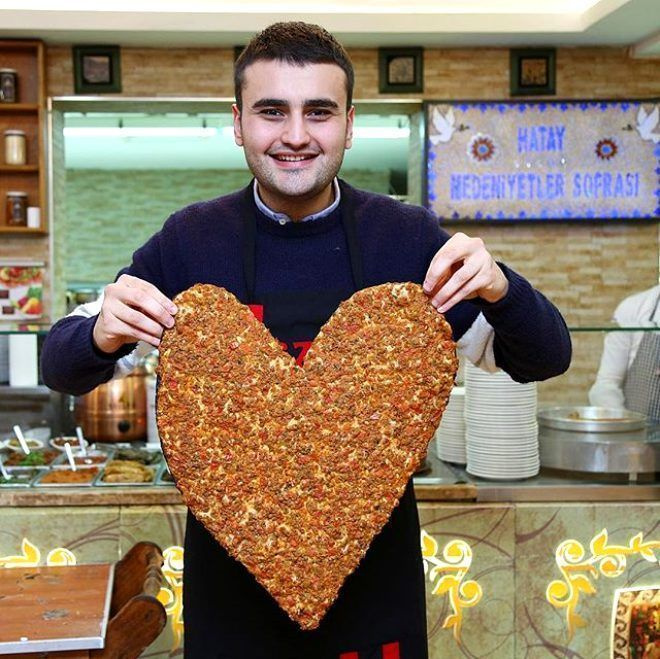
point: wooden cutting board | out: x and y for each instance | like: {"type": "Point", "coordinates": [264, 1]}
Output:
{"type": "Point", "coordinates": [54, 608]}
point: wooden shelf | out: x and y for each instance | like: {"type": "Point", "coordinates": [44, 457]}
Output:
{"type": "Point", "coordinates": [18, 169]}
{"type": "Point", "coordinates": [30, 108]}
{"type": "Point", "coordinates": [26, 57]}
{"type": "Point", "coordinates": [24, 231]}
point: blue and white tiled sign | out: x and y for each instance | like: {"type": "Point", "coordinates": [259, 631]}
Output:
{"type": "Point", "coordinates": [538, 161]}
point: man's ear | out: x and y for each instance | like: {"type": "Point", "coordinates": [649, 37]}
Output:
{"type": "Point", "coordinates": [350, 116]}
{"type": "Point", "coordinates": [238, 134]}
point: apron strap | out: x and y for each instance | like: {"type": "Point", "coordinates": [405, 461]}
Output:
{"type": "Point", "coordinates": [350, 228]}
{"type": "Point", "coordinates": [249, 245]}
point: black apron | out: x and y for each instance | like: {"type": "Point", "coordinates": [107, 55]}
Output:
{"type": "Point", "coordinates": [380, 611]}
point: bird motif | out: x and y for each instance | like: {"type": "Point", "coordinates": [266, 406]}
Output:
{"type": "Point", "coordinates": [646, 123]}
{"type": "Point", "coordinates": [443, 124]}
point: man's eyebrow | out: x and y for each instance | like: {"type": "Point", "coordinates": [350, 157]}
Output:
{"type": "Point", "coordinates": [280, 102]}
{"type": "Point", "coordinates": [270, 102]}
{"type": "Point", "coordinates": [321, 103]}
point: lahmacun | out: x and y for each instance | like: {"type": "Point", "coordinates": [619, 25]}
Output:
{"type": "Point", "coordinates": [295, 470]}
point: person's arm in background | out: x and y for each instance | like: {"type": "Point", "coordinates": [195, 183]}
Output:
{"type": "Point", "coordinates": [519, 331]}
{"type": "Point", "coordinates": [607, 390]}
{"type": "Point", "coordinates": [618, 349]}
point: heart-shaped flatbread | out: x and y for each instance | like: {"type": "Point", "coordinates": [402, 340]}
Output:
{"type": "Point", "coordinates": [295, 470]}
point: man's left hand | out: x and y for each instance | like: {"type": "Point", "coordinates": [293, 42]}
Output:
{"type": "Point", "coordinates": [463, 269]}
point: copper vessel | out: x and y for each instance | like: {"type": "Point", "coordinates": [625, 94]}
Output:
{"type": "Point", "coordinates": [115, 411]}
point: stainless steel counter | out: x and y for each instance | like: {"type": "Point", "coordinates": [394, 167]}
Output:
{"type": "Point", "coordinates": [549, 485]}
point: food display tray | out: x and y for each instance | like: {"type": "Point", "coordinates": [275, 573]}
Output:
{"type": "Point", "coordinates": [109, 451]}
{"type": "Point", "coordinates": [37, 482]}
{"type": "Point", "coordinates": [10, 467]}
{"type": "Point", "coordinates": [17, 472]}
{"type": "Point", "coordinates": [155, 455]}
{"type": "Point", "coordinates": [99, 482]}
{"type": "Point", "coordinates": [12, 470]}
{"type": "Point", "coordinates": [62, 461]}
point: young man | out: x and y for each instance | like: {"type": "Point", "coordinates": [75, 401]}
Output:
{"type": "Point", "coordinates": [295, 243]}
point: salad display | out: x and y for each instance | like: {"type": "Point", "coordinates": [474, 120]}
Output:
{"type": "Point", "coordinates": [21, 290]}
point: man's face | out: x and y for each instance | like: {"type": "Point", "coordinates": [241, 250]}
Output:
{"type": "Point", "coordinates": [294, 128]}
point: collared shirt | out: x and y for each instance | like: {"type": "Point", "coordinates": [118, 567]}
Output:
{"type": "Point", "coordinates": [283, 218]}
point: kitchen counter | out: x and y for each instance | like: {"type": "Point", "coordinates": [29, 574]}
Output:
{"type": "Point", "coordinates": [441, 481]}
{"type": "Point", "coordinates": [549, 485]}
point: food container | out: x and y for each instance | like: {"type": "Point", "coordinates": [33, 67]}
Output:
{"type": "Point", "coordinates": [115, 411]}
{"type": "Point", "coordinates": [83, 477]}
{"type": "Point", "coordinates": [22, 478]}
{"type": "Point", "coordinates": [16, 209]}
{"type": "Point", "coordinates": [34, 217]}
{"type": "Point", "coordinates": [142, 455]}
{"type": "Point", "coordinates": [15, 147]}
{"type": "Point", "coordinates": [8, 86]}
{"type": "Point", "coordinates": [40, 459]}
{"type": "Point", "coordinates": [14, 445]}
{"type": "Point", "coordinates": [591, 419]}
{"type": "Point", "coordinates": [597, 440]}
{"type": "Point", "coordinates": [59, 442]}
{"type": "Point", "coordinates": [90, 459]}
{"type": "Point", "coordinates": [126, 473]}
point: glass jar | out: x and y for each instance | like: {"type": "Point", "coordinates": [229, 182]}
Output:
{"type": "Point", "coordinates": [16, 215]}
{"type": "Point", "coordinates": [8, 86]}
{"type": "Point", "coordinates": [15, 147]}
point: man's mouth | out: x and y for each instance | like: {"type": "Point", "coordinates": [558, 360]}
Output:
{"type": "Point", "coordinates": [292, 158]}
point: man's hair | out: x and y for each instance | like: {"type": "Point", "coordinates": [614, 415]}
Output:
{"type": "Point", "coordinates": [297, 43]}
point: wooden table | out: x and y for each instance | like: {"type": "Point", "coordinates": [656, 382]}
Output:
{"type": "Point", "coordinates": [54, 609]}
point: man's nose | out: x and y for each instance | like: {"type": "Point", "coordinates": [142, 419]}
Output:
{"type": "Point", "coordinates": [295, 132]}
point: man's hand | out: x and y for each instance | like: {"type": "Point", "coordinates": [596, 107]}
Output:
{"type": "Point", "coordinates": [133, 310]}
{"type": "Point", "coordinates": [462, 269]}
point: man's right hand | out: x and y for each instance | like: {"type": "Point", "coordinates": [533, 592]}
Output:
{"type": "Point", "coordinates": [133, 310]}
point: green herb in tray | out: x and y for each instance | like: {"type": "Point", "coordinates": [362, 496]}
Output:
{"type": "Point", "coordinates": [33, 459]}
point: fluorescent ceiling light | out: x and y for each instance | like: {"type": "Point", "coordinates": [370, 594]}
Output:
{"type": "Point", "coordinates": [381, 132]}
{"type": "Point", "coordinates": [144, 131]}
{"type": "Point", "coordinates": [364, 132]}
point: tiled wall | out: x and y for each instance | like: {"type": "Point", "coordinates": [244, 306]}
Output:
{"type": "Point", "coordinates": [101, 206]}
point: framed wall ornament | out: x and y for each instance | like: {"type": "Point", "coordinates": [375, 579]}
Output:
{"type": "Point", "coordinates": [532, 71]}
{"type": "Point", "coordinates": [96, 69]}
{"type": "Point", "coordinates": [400, 70]}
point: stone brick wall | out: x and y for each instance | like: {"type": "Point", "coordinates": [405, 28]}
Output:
{"type": "Point", "coordinates": [585, 268]}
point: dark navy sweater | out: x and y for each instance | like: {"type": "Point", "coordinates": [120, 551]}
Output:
{"type": "Point", "coordinates": [202, 244]}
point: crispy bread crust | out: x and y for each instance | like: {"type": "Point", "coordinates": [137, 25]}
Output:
{"type": "Point", "coordinates": [294, 471]}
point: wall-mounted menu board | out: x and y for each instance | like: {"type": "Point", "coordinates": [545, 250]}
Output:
{"type": "Point", "coordinates": [577, 160]}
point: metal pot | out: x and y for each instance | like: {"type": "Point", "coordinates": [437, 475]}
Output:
{"type": "Point", "coordinates": [596, 439]}
{"type": "Point", "coordinates": [115, 411]}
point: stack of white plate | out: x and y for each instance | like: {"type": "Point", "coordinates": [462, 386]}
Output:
{"type": "Point", "coordinates": [501, 431]}
{"type": "Point", "coordinates": [450, 435]}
